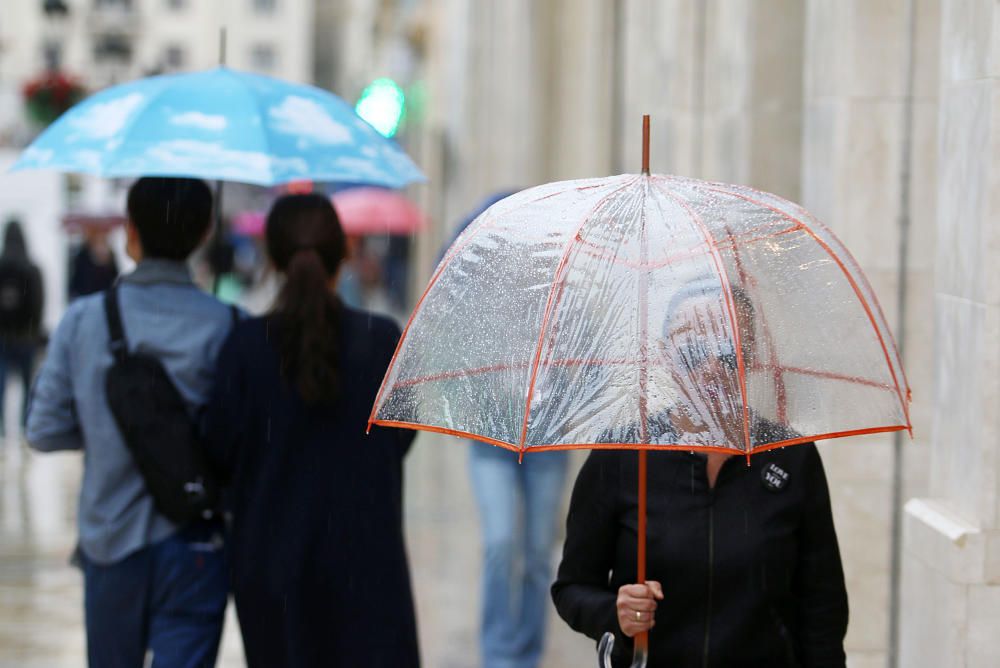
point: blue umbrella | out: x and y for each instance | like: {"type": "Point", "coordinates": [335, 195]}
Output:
{"type": "Point", "coordinates": [220, 124]}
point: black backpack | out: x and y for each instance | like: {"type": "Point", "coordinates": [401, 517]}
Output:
{"type": "Point", "coordinates": [157, 428]}
{"type": "Point", "coordinates": [16, 311]}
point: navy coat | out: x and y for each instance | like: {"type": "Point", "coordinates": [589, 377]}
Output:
{"type": "Point", "coordinates": [319, 567]}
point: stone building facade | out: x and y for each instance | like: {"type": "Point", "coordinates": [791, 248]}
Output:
{"type": "Point", "coordinates": [881, 117]}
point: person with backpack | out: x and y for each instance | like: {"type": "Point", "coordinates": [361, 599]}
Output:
{"type": "Point", "coordinates": [22, 297]}
{"type": "Point", "coordinates": [154, 573]}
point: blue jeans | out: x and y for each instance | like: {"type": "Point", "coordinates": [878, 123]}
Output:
{"type": "Point", "coordinates": [515, 600]}
{"type": "Point", "coordinates": [20, 358]}
{"type": "Point", "coordinates": [169, 598]}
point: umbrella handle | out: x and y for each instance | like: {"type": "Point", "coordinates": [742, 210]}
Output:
{"type": "Point", "coordinates": [604, 650]}
{"type": "Point", "coordinates": [607, 644]}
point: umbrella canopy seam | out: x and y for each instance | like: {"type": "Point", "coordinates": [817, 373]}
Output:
{"type": "Point", "coordinates": [727, 292]}
{"type": "Point", "coordinates": [857, 291]}
{"type": "Point", "coordinates": [553, 291]}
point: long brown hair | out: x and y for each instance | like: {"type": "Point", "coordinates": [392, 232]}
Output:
{"type": "Point", "coordinates": [306, 243]}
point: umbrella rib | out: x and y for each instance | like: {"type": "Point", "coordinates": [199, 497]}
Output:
{"type": "Point", "coordinates": [727, 292]}
{"type": "Point", "coordinates": [263, 131]}
{"type": "Point", "coordinates": [864, 278]}
{"type": "Point", "coordinates": [643, 326]}
{"type": "Point", "coordinates": [445, 261]}
{"type": "Point", "coordinates": [854, 285]}
{"type": "Point", "coordinates": [552, 301]}
{"type": "Point", "coordinates": [733, 189]}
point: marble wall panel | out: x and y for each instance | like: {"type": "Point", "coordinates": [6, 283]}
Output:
{"type": "Point", "coordinates": [966, 34]}
{"type": "Point", "coordinates": [927, 54]}
{"type": "Point", "coordinates": [779, 29]}
{"type": "Point", "coordinates": [861, 513]}
{"type": "Point", "coordinates": [966, 428]}
{"type": "Point", "coordinates": [982, 648]}
{"type": "Point", "coordinates": [869, 184]}
{"type": "Point", "coordinates": [775, 149]}
{"type": "Point", "coordinates": [725, 149]}
{"type": "Point", "coordinates": [822, 140]}
{"type": "Point", "coordinates": [965, 156]}
{"type": "Point", "coordinates": [729, 50]}
{"type": "Point", "coordinates": [876, 32]}
{"type": "Point", "coordinates": [933, 618]}
{"type": "Point", "coordinates": [825, 71]}
{"type": "Point", "coordinates": [579, 89]}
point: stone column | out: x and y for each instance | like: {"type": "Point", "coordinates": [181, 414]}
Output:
{"type": "Point", "coordinates": [858, 151]}
{"type": "Point", "coordinates": [723, 83]}
{"type": "Point", "coordinates": [951, 576]}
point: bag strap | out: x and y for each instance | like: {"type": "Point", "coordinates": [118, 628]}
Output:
{"type": "Point", "coordinates": [117, 344]}
{"type": "Point", "coordinates": [235, 313]}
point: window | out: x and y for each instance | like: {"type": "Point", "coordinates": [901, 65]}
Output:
{"type": "Point", "coordinates": [173, 58]}
{"type": "Point", "coordinates": [112, 47]}
{"type": "Point", "coordinates": [263, 58]}
{"type": "Point", "coordinates": [264, 6]}
{"type": "Point", "coordinates": [55, 8]}
{"type": "Point", "coordinates": [176, 4]}
{"type": "Point", "coordinates": [124, 4]}
{"type": "Point", "coordinates": [52, 52]}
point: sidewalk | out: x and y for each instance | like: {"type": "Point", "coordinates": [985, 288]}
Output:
{"type": "Point", "coordinates": [41, 624]}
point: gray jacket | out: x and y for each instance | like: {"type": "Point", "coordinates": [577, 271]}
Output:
{"type": "Point", "coordinates": [163, 314]}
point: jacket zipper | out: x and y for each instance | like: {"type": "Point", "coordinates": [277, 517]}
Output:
{"type": "Point", "coordinates": [711, 559]}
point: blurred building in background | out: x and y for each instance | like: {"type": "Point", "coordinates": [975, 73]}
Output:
{"type": "Point", "coordinates": [97, 43]}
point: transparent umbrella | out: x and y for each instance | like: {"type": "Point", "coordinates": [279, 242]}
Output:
{"type": "Point", "coordinates": [646, 312]}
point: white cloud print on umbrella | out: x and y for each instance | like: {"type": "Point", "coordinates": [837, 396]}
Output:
{"type": "Point", "coordinates": [220, 124]}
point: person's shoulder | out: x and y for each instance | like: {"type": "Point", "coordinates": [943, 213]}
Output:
{"type": "Point", "coordinates": [250, 328]}
{"type": "Point", "coordinates": [798, 458]}
{"type": "Point", "coordinates": [379, 326]}
{"type": "Point", "coordinates": [87, 307]}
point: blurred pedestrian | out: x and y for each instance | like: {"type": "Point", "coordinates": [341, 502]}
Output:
{"type": "Point", "coordinates": [22, 298]}
{"type": "Point", "coordinates": [149, 585]}
{"type": "Point", "coordinates": [743, 562]}
{"type": "Point", "coordinates": [94, 268]}
{"type": "Point", "coordinates": [319, 568]}
{"type": "Point", "coordinates": [518, 506]}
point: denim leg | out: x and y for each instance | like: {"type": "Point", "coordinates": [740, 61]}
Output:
{"type": "Point", "coordinates": [4, 361]}
{"type": "Point", "coordinates": [188, 603]}
{"type": "Point", "coordinates": [115, 601]}
{"type": "Point", "coordinates": [494, 477]}
{"type": "Point", "coordinates": [543, 475]}
{"type": "Point", "coordinates": [26, 368]}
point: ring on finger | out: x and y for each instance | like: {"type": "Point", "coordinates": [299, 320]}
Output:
{"type": "Point", "coordinates": [638, 616]}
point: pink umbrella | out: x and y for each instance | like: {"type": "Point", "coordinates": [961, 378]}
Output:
{"type": "Point", "coordinates": [377, 211]}
{"type": "Point", "coordinates": [249, 223]}
{"type": "Point", "coordinates": [79, 221]}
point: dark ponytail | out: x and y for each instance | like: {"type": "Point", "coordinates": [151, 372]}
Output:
{"type": "Point", "coordinates": [306, 243]}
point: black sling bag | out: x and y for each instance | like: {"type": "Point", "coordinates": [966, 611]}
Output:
{"type": "Point", "coordinates": [157, 428]}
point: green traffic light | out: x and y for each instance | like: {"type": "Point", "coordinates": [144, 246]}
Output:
{"type": "Point", "coordinates": [382, 104]}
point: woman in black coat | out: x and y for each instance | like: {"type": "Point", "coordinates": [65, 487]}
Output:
{"type": "Point", "coordinates": [743, 563]}
{"type": "Point", "coordinates": [319, 568]}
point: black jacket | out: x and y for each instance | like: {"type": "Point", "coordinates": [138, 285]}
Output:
{"type": "Point", "coordinates": [751, 569]}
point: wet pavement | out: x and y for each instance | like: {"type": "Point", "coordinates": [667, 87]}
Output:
{"type": "Point", "coordinates": [41, 622]}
